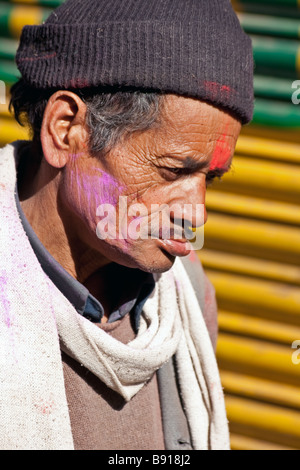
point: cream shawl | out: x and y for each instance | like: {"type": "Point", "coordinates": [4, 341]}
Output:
{"type": "Point", "coordinates": [37, 321]}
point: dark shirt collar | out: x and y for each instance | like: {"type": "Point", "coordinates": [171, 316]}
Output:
{"type": "Point", "coordinates": [131, 287]}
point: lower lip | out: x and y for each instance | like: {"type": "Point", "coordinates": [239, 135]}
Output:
{"type": "Point", "coordinates": [175, 247]}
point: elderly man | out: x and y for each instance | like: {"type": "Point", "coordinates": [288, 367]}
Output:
{"type": "Point", "coordinates": [107, 338]}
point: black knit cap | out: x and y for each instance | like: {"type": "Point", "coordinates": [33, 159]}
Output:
{"type": "Point", "coordinates": [194, 48]}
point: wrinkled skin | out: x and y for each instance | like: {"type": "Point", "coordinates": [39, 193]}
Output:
{"type": "Point", "coordinates": [170, 163]}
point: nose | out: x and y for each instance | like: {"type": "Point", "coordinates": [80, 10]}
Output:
{"type": "Point", "coordinates": [194, 215]}
{"type": "Point", "coordinates": [192, 202]}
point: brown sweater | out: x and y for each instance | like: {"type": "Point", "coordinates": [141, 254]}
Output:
{"type": "Point", "coordinates": [100, 418]}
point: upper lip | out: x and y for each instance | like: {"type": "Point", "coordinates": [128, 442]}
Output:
{"type": "Point", "coordinates": [183, 240]}
{"type": "Point", "coordinates": [168, 241]}
{"type": "Point", "coordinates": [172, 236]}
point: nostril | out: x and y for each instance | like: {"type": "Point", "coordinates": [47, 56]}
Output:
{"type": "Point", "coordinates": [189, 233]}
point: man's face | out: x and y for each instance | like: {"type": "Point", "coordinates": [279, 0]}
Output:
{"type": "Point", "coordinates": [170, 164]}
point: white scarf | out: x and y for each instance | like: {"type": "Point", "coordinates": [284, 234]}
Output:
{"type": "Point", "coordinates": [37, 321]}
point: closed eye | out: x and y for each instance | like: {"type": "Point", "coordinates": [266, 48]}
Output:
{"type": "Point", "coordinates": [171, 174]}
{"type": "Point", "coordinates": [179, 171]}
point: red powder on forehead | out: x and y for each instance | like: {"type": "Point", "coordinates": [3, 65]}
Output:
{"type": "Point", "coordinates": [221, 154]}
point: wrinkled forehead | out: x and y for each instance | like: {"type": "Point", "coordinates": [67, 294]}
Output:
{"type": "Point", "coordinates": [192, 119]}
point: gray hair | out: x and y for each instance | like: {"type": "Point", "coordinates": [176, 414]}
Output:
{"type": "Point", "coordinates": [111, 114]}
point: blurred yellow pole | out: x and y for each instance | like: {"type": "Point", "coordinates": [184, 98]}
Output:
{"type": "Point", "coordinates": [10, 131]}
{"type": "Point", "coordinates": [239, 442]}
{"type": "Point", "coordinates": [272, 178]}
{"type": "Point", "coordinates": [253, 207]}
{"type": "Point", "coordinates": [267, 148]}
{"type": "Point", "coordinates": [240, 231]}
{"type": "Point", "coordinates": [269, 420]}
{"type": "Point", "coordinates": [245, 325]}
{"type": "Point", "coordinates": [266, 359]}
{"type": "Point", "coordinates": [256, 295]}
{"type": "Point", "coordinates": [260, 389]}
{"type": "Point", "coordinates": [255, 267]}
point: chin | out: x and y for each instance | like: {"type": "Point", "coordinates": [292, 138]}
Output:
{"type": "Point", "coordinates": [156, 267]}
{"type": "Point", "coordinates": [145, 256]}
{"type": "Point", "coordinates": [156, 264]}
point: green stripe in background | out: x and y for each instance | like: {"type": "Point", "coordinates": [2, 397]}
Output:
{"type": "Point", "coordinates": [270, 25]}
{"type": "Point", "coordinates": [273, 88]}
{"type": "Point", "coordinates": [273, 3]}
{"type": "Point", "coordinates": [44, 3]}
{"type": "Point", "coordinates": [276, 54]}
{"type": "Point", "coordinates": [4, 19]}
{"type": "Point", "coordinates": [8, 48]}
{"type": "Point", "coordinates": [282, 9]}
{"type": "Point", "coordinates": [14, 16]}
{"type": "Point", "coordinates": [276, 114]}
{"type": "Point", "coordinates": [8, 72]}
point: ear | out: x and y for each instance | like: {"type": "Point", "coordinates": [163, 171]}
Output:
{"type": "Point", "coordinates": [63, 130]}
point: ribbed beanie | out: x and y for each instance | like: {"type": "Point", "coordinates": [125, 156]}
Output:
{"type": "Point", "coordinates": [194, 48]}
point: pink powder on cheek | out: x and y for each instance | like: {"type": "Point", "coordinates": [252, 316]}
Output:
{"type": "Point", "coordinates": [111, 189]}
{"type": "Point", "coordinates": [95, 187]}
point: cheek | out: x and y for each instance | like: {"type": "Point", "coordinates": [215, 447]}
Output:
{"type": "Point", "coordinates": [88, 190]}
{"type": "Point", "coordinates": [95, 189]}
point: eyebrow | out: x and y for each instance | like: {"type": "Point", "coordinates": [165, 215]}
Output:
{"type": "Point", "coordinates": [190, 164]}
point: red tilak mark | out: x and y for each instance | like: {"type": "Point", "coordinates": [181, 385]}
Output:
{"type": "Point", "coordinates": [222, 152]}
